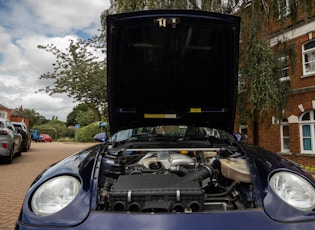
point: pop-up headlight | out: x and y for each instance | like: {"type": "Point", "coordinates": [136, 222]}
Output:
{"type": "Point", "coordinates": [54, 195]}
{"type": "Point", "coordinates": [294, 190]}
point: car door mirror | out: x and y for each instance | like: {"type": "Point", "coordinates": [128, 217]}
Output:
{"type": "Point", "coordinates": [101, 137]}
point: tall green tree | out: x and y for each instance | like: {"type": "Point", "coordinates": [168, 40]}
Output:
{"type": "Point", "coordinates": [35, 118]}
{"type": "Point", "coordinates": [261, 69]}
{"type": "Point", "coordinates": [88, 112]}
{"type": "Point", "coordinates": [87, 117]}
{"type": "Point", "coordinates": [78, 72]}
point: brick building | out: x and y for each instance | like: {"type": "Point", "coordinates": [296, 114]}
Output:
{"type": "Point", "coordinates": [14, 115]}
{"type": "Point", "coordinates": [5, 112]}
{"type": "Point", "coordinates": [295, 134]}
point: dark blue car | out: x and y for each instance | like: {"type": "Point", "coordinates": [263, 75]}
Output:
{"type": "Point", "coordinates": [172, 161]}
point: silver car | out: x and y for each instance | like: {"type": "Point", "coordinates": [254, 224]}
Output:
{"type": "Point", "coordinates": [10, 141]}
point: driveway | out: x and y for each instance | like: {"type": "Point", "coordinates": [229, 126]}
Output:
{"type": "Point", "coordinates": [16, 178]}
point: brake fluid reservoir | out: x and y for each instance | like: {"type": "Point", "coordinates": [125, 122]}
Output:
{"type": "Point", "coordinates": [236, 169]}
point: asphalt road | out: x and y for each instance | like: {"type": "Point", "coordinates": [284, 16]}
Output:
{"type": "Point", "coordinates": [16, 178]}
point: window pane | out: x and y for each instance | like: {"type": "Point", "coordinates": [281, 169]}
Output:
{"type": "Point", "coordinates": [307, 144]}
{"type": "Point", "coordinates": [309, 56]}
{"type": "Point", "coordinates": [309, 62]}
{"type": "Point", "coordinates": [309, 45]}
{"type": "Point", "coordinates": [306, 117]}
{"type": "Point", "coordinates": [306, 130]}
{"type": "Point", "coordinates": [285, 130]}
{"type": "Point", "coordinates": [286, 143]}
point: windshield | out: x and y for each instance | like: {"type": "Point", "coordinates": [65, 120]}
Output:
{"type": "Point", "coordinates": [171, 133]}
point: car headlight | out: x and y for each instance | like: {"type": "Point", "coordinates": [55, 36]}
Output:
{"type": "Point", "coordinates": [294, 190]}
{"type": "Point", "coordinates": [54, 195]}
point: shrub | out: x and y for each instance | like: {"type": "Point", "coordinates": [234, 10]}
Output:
{"type": "Point", "coordinates": [55, 131]}
{"type": "Point", "coordinates": [87, 133]}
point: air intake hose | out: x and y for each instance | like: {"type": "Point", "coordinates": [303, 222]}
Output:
{"type": "Point", "coordinates": [202, 173]}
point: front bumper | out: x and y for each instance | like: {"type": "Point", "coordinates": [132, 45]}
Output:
{"type": "Point", "coordinates": [247, 219]}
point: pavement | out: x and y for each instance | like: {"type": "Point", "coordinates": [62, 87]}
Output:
{"type": "Point", "coordinates": [16, 178]}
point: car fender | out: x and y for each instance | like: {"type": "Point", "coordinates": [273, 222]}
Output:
{"type": "Point", "coordinates": [262, 165]}
{"type": "Point", "coordinates": [81, 165]}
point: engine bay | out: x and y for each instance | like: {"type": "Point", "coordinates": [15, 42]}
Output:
{"type": "Point", "coordinates": [175, 180]}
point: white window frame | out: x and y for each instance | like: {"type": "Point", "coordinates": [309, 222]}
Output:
{"type": "Point", "coordinates": [311, 52]}
{"type": "Point", "coordinates": [243, 129]}
{"type": "Point", "coordinates": [283, 125]}
{"type": "Point", "coordinates": [311, 124]}
{"type": "Point", "coordinates": [283, 10]}
{"type": "Point", "coordinates": [3, 114]}
{"type": "Point", "coordinates": [248, 3]}
{"type": "Point", "coordinates": [285, 69]}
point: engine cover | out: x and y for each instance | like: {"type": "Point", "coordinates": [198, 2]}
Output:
{"type": "Point", "coordinates": [156, 193]}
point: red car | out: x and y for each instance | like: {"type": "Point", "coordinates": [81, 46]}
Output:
{"type": "Point", "coordinates": [45, 138]}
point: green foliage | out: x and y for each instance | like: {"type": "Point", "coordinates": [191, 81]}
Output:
{"type": "Point", "coordinates": [55, 130]}
{"type": "Point", "coordinates": [86, 118]}
{"type": "Point", "coordinates": [78, 72]}
{"type": "Point", "coordinates": [34, 117]}
{"type": "Point", "coordinates": [262, 68]}
{"type": "Point", "coordinates": [83, 114]}
{"type": "Point", "coordinates": [135, 5]}
{"type": "Point", "coordinates": [121, 6]}
{"type": "Point", "coordinates": [86, 134]}
{"type": "Point", "coordinates": [55, 122]}
{"type": "Point", "coordinates": [306, 6]}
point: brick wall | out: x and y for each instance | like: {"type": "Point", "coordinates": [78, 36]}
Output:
{"type": "Point", "coordinates": [302, 95]}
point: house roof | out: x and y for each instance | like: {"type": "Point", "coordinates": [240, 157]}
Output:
{"type": "Point", "coordinates": [15, 113]}
{"type": "Point", "coordinates": [3, 107]}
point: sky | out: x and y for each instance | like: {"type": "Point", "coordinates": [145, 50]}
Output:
{"type": "Point", "coordinates": [25, 24]}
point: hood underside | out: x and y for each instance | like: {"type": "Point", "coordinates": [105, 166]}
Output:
{"type": "Point", "coordinates": [172, 67]}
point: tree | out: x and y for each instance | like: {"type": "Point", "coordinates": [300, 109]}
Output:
{"type": "Point", "coordinates": [261, 70]}
{"type": "Point", "coordinates": [86, 117]}
{"type": "Point", "coordinates": [82, 110]}
{"type": "Point", "coordinates": [34, 117]}
{"type": "Point", "coordinates": [78, 72]}
{"type": "Point", "coordinates": [121, 6]}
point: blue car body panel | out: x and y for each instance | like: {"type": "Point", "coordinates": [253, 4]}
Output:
{"type": "Point", "coordinates": [249, 219]}
{"type": "Point", "coordinates": [80, 165]}
{"type": "Point", "coordinates": [196, 53]}
{"type": "Point", "coordinates": [81, 214]}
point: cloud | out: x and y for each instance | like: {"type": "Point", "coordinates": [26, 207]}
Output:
{"type": "Point", "coordinates": [25, 24]}
{"type": "Point", "coordinates": [75, 15]}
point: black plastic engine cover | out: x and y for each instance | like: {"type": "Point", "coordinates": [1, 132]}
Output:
{"type": "Point", "coordinates": [156, 193]}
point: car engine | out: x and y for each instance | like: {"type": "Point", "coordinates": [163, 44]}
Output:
{"type": "Point", "coordinates": [175, 180]}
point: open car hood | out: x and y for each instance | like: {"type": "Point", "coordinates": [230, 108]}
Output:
{"type": "Point", "coordinates": [172, 67]}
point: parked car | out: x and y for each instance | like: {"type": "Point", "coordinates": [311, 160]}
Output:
{"type": "Point", "coordinates": [172, 161]}
{"type": "Point", "coordinates": [10, 141]}
{"type": "Point", "coordinates": [26, 135]}
{"type": "Point", "coordinates": [45, 138]}
{"type": "Point", "coordinates": [36, 135]}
